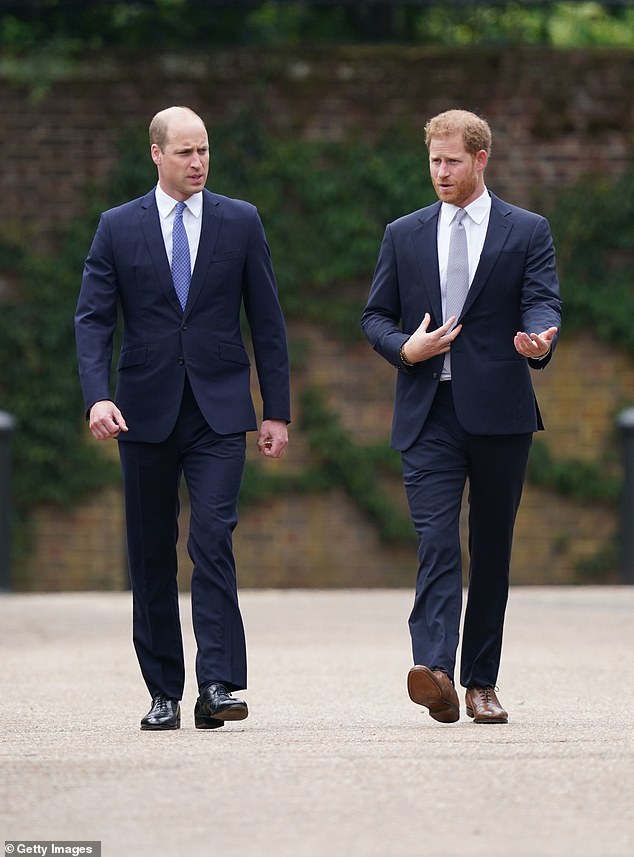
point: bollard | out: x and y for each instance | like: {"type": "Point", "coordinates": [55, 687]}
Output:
{"type": "Point", "coordinates": [625, 421]}
{"type": "Point", "coordinates": [7, 424]}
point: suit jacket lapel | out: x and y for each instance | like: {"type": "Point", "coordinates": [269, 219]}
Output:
{"type": "Point", "coordinates": [425, 237]}
{"type": "Point", "coordinates": [498, 231]}
{"type": "Point", "coordinates": [209, 231]}
{"type": "Point", "coordinates": [151, 227]}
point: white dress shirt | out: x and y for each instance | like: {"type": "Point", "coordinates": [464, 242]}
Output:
{"type": "Point", "coordinates": [476, 224]}
{"type": "Point", "coordinates": [192, 220]}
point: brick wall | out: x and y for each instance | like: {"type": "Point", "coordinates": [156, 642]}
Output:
{"type": "Point", "coordinates": [323, 539]}
{"type": "Point", "coordinates": [555, 117]}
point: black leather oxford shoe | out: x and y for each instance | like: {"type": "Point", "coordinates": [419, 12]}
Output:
{"type": "Point", "coordinates": [165, 713]}
{"type": "Point", "coordinates": [215, 705]}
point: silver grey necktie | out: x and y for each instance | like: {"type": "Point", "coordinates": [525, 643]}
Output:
{"type": "Point", "coordinates": [457, 273]}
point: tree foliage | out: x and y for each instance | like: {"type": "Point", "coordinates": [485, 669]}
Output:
{"type": "Point", "coordinates": [66, 26]}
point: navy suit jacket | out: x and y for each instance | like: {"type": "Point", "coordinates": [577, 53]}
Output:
{"type": "Point", "coordinates": [514, 288]}
{"type": "Point", "coordinates": [127, 267]}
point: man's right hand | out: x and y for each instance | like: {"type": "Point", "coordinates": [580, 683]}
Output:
{"type": "Point", "coordinates": [106, 420]}
{"type": "Point", "coordinates": [422, 345]}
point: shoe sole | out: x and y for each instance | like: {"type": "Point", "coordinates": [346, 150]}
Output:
{"type": "Point", "coordinates": [201, 721]}
{"type": "Point", "coordinates": [485, 719]}
{"type": "Point", "coordinates": [239, 712]}
{"type": "Point", "coordinates": [171, 727]}
{"type": "Point", "coordinates": [424, 690]}
{"type": "Point", "coordinates": [206, 721]}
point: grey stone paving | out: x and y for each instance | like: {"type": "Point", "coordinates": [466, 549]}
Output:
{"type": "Point", "coordinates": [334, 759]}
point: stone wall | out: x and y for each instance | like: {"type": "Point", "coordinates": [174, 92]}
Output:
{"type": "Point", "coordinates": [555, 116]}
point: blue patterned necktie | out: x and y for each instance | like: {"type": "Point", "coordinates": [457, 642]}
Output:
{"type": "Point", "coordinates": [457, 274]}
{"type": "Point", "coordinates": [181, 264]}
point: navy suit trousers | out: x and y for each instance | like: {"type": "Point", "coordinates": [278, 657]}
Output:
{"type": "Point", "coordinates": [436, 469]}
{"type": "Point", "coordinates": [212, 466]}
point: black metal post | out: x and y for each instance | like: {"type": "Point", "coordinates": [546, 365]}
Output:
{"type": "Point", "coordinates": [7, 424]}
{"type": "Point", "coordinates": [625, 421]}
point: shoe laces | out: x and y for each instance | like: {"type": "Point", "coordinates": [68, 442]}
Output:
{"type": "Point", "coordinates": [219, 689]}
{"type": "Point", "coordinates": [485, 692]}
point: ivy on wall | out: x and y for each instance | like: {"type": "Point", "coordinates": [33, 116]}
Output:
{"type": "Point", "coordinates": [39, 386]}
{"type": "Point", "coordinates": [324, 208]}
{"type": "Point", "coordinates": [593, 228]}
{"type": "Point", "coordinates": [355, 468]}
{"type": "Point", "coordinates": [580, 480]}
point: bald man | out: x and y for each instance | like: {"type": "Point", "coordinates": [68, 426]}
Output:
{"type": "Point", "coordinates": [178, 264]}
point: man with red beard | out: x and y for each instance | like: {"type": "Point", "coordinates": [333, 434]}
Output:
{"type": "Point", "coordinates": [464, 300]}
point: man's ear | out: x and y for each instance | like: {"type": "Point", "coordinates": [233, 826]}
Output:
{"type": "Point", "coordinates": [156, 154]}
{"type": "Point", "coordinates": [482, 159]}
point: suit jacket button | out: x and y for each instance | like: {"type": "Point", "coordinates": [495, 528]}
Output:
{"type": "Point", "coordinates": [434, 375]}
{"type": "Point", "coordinates": [181, 361]}
{"type": "Point", "coordinates": [184, 327]}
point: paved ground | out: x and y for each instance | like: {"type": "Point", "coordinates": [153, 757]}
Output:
{"type": "Point", "coordinates": [334, 760]}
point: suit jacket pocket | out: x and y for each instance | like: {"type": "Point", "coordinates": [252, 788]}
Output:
{"type": "Point", "coordinates": [132, 357]}
{"type": "Point", "coordinates": [225, 255]}
{"type": "Point", "coordinates": [233, 353]}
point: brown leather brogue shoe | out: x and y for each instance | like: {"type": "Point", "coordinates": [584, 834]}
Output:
{"type": "Point", "coordinates": [484, 706]}
{"type": "Point", "coordinates": [434, 689]}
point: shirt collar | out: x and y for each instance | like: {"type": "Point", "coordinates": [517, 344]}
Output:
{"type": "Point", "coordinates": [166, 203]}
{"type": "Point", "coordinates": [477, 210]}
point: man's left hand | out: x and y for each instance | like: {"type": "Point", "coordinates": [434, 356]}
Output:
{"type": "Point", "coordinates": [273, 438]}
{"type": "Point", "coordinates": [534, 345]}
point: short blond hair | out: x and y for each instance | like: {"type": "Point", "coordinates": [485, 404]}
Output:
{"type": "Point", "coordinates": [159, 126]}
{"type": "Point", "coordinates": [474, 130]}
